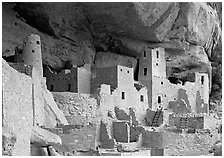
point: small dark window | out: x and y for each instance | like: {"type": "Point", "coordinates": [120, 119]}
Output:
{"type": "Point", "coordinates": [157, 54]}
{"type": "Point", "coordinates": [23, 61]}
{"type": "Point", "coordinates": [122, 95]}
{"type": "Point", "coordinates": [157, 64]}
{"type": "Point", "coordinates": [38, 42]}
{"type": "Point", "coordinates": [37, 60]}
{"type": "Point", "coordinates": [164, 95]}
{"type": "Point", "coordinates": [69, 87]}
{"type": "Point", "coordinates": [144, 53]}
{"type": "Point", "coordinates": [202, 79]}
{"type": "Point", "coordinates": [121, 69]}
{"type": "Point", "coordinates": [141, 98]}
{"type": "Point", "coordinates": [145, 72]}
{"type": "Point", "coordinates": [159, 99]}
{"type": "Point", "coordinates": [161, 83]}
{"type": "Point", "coordinates": [52, 87]}
{"type": "Point", "coordinates": [127, 71]}
{"type": "Point", "coordinates": [33, 51]}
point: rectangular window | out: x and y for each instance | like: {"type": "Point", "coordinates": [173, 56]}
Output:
{"type": "Point", "coordinates": [202, 79]}
{"type": "Point", "coordinates": [159, 99]}
{"type": "Point", "coordinates": [69, 87]}
{"type": "Point", "coordinates": [157, 54]}
{"type": "Point", "coordinates": [145, 72]}
{"type": "Point", "coordinates": [52, 87]}
{"type": "Point", "coordinates": [144, 53]}
{"type": "Point", "coordinates": [122, 95]}
{"type": "Point", "coordinates": [142, 98]}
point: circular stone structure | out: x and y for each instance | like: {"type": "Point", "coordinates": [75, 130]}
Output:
{"type": "Point", "coordinates": [31, 54]}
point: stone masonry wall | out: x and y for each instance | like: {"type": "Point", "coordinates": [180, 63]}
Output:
{"type": "Point", "coordinates": [17, 107]}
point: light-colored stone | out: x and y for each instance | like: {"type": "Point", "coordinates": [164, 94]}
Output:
{"type": "Point", "coordinates": [52, 106]}
{"type": "Point", "coordinates": [17, 107]}
{"type": "Point", "coordinates": [44, 137]}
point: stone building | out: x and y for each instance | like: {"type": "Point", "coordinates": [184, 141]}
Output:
{"type": "Point", "coordinates": [75, 80]}
{"type": "Point", "coordinates": [31, 54]}
{"type": "Point", "coordinates": [118, 88]}
{"type": "Point", "coordinates": [178, 98]}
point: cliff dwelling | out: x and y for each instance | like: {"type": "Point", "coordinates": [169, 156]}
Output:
{"type": "Point", "coordinates": [111, 79]}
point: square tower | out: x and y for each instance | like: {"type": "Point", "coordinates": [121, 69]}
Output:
{"type": "Point", "coordinates": [202, 81]}
{"type": "Point", "coordinates": [152, 67]}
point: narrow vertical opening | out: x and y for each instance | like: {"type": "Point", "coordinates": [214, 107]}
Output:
{"type": "Point", "coordinates": [122, 95]}
{"type": "Point", "coordinates": [202, 79]}
{"type": "Point", "coordinates": [136, 71]}
{"type": "Point", "coordinates": [52, 87]}
{"type": "Point", "coordinates": [145, 72]}
{"type": "Point", "coordinates": [157, 54]}
{"type": "Point", "coordinates": [144, 53]}
{"type": "Point", "coordinates": [159, 99]}
{"type": "Point", "coordinates": [142, 98]}
{"type": "Point", "coordinates": [69, 87]}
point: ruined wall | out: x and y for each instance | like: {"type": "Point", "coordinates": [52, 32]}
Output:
{"type": "Point", "coordinates": [125, 96]}
{"type": "Point", "coordinates": [66, 80]}
{"type": "Point", "coordinates": [38, 101]}
{"type": "Point", "coordinates": [153, 140]}
{"type": "Point", "coordinates": [31, 54]}
{"type": "Point", "coordinates": [187, 122]}
{"type": "Point", "coordinates": [83, 79]}
{"type": "Point", "coordinates": [125, 77]}
{"type": "Point", "coordinates": [130, 104]}
{"type": "Point", "coordinates": [103, 139]}
{"type": "Point", "coordinates": [121, 132]}
{"type": "Point", "coordinates": [106, 75]}
{"type": "Point", "coordinates": [77, 139]}
{"type": "Point", "coordinates": [17, 108]}
{"type": "Point", "coordinates": [75, 80]}
{"type": "Point", "coordinates": [162, 93]}
{"type": "Point", "coordinates": [172, 95]}
{"type": "Point", "coordinates": [203, 80]}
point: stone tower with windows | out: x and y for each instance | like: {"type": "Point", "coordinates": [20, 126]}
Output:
{"type": "Point", "coordinates": [31, 54]}
{"type": "Point", "coordinates": [152, 70]}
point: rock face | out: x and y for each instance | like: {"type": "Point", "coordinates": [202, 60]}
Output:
{"type": "Point", "coordinates": [54, 50]}
{"type": "Point", "coordinates": [130, 19]}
